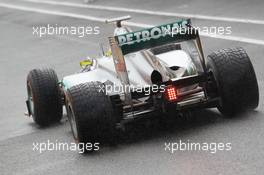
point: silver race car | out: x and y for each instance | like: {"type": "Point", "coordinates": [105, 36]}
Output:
{"type": "Point", "coordinates": [158, 70]}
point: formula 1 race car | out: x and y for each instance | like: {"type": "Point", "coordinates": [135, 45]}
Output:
{"type": "Point", "coordinates": [158, 70]}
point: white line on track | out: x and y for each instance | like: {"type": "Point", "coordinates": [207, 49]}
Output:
{"type": "Point", "coordinates": [149, 12]}
{"type": "Point", "coordinates": [134, 24]}
{"type": "Point", "coordinates": [66, 14]}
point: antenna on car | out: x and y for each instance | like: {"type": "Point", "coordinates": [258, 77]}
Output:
{"type": "Point", "coordinates": [102, 49]}
{"type": "Point", "coordinates": [117, 20]}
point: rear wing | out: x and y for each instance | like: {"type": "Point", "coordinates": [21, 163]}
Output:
{"type": "Point", "coordinates": [147, 38]}
{"type": "Point", "coordinates": [156, 36]}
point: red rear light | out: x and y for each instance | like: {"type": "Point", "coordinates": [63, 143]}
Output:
{"type": "Point", "coordinates": [171, 93]}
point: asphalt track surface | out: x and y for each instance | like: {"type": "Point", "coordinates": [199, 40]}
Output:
{"type": "Point", "coordinates": [141, 146]}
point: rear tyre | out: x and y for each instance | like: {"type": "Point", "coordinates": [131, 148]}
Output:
{"type": "Point", "coordinates": [44, 96]}
{"type": "Point", "coordinates": [235, 79]}
{"type": "Point", "coordinates": [91, 113]}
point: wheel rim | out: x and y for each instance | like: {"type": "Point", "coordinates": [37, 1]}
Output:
{"type": "Point", "coordinates": [73, 123]}
{"type": "Point", "coordinates": [30, 99]}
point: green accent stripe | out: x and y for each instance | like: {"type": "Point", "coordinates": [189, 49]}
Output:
{"type": "Point", "coordinates": [155, 36]}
